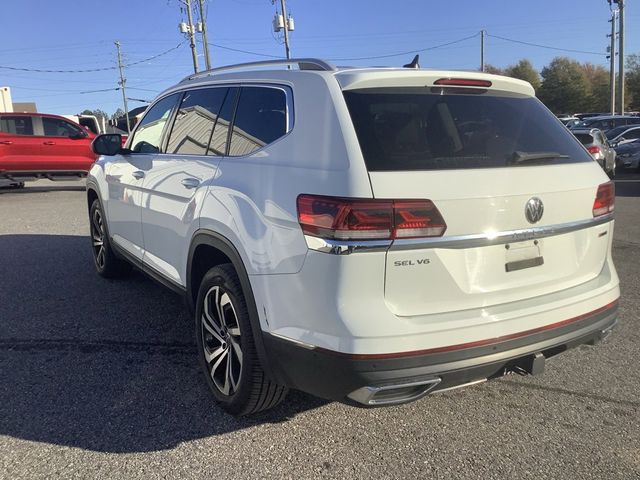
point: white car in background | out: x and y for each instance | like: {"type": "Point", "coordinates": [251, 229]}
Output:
{"type": "Point", "coordinates": [367, 235]}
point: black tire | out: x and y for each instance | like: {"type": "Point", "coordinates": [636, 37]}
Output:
{"type": "Point", "coordinates": [107, 264]}
{"type": "Point", "coordinates": [226, 348]}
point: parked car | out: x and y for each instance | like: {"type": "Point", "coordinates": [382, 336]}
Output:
{"type": "Point", "coordinates": [596, 143]}
{"type": "Point", "coordinates": [628, 154]}
{"type": "Point", "coordinates": [607, 122]}
{"type": "Point", "coordinates": [364, 235]}
{"type": "Point", "coordinates": [624, 134]}
{"type": "Point", "coordinates": [36, 145]}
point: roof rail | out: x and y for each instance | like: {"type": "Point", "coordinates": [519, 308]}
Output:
{"type": "Point", "coordinates": [303, 64]}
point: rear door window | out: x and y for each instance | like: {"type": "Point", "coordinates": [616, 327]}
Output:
{"type": "Point", "coordinates": [261, 118]}
{"type": "Point", "coordinates": [421, 129]}
{"type": "Point", "coordinates": [195, 120]}
{"type": "Point", "coordinates": [148, 135]}
{"type": "Point", "coordinates": [16, 124]}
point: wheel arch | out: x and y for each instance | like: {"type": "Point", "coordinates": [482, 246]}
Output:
{"type": "Point", "coordinates": [207, 250]}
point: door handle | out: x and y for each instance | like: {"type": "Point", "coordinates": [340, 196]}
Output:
{"type": "Point", "coordinates": [6, 142]}
{"type": "Point", "coordinates": [49, 143]}
{"type": "Point", "coordinates": [190, 182]}
{"type": "Point", "coordinates": [138, 174]}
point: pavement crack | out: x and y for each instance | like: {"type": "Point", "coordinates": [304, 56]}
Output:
{"type": "Point", "coordinates": [592, 396]}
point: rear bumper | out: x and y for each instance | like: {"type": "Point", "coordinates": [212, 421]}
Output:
{"type": "Point", "coordinates": [369, 380]}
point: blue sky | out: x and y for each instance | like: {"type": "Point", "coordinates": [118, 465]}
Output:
{"type": "Point", "coordinates": [72, 35]}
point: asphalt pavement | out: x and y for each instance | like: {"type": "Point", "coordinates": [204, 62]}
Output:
{"type": "Point", "coordinates": [99, 379]}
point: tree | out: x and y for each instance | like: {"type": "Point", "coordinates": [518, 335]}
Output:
{"type": "Point", "coordinates": [97, 112]}
{"type": "Point", "coordinates": [493, 69]}
{"type": "Point", "coordinates": [598, 79]}
{"type": "Point", "coordinates": [565, 87]}
{"type": "Point", "coordinates": [632, 81]}
{"type": "Point", "coordinates": [524, 71]}
{"type": "Point", "coordinates": [118, 113]}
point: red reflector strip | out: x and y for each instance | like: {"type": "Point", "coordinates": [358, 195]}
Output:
{"type": "Point", "coordinates": [479, 343]}
{"type": "Point", "coordinates": [463, 82]}
{"type": "Point", "coordinates": [605, 199]}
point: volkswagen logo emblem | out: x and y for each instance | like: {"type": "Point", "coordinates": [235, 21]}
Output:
{"type": "Point", "coordinates": [533, 210]}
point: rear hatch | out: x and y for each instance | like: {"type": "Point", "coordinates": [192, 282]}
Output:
{"type": "Point", "coordinates": [483, 156]}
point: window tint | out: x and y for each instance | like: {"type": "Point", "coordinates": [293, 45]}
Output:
{"type": "Point", "coordinates": [218, 143]}
{"type": "Point", "coordinates": [585, 138]}
{"type": "Point", "coordinates": [56, 127]}
{"type": "Point", "coordinates": [420, 129]}
{"type": "Point", "coordinates": [195, 120]}
{"type": "Point", "coordinates": [614, 132]}
{"type": "Point", "coordinates": [148, 135]}
{"type": "Point", "coordinates": [261, 118]}
{"type": "Point", "coordinates": [632, 134]}
{"type": "Point", "coordinates": [16, 125]}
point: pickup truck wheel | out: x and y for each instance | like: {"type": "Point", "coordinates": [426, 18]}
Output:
{"type": "Point", "coordinates": [226, 347]}
{"type": "Point", "coordinates": [105, 261]}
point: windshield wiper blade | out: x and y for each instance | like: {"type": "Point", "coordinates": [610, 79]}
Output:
{"type": "Point", "coordinates": [520, 157]}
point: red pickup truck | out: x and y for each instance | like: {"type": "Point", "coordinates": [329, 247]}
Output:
{"type": "Point", "coordinates": [36, 145]}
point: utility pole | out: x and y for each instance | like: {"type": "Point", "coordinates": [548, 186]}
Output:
{"type": "Point", "coordinates": [482, 34]}
{"type": "Point", "coordinates": [286, 28]}
{"type": "Point", "coordinates": [205, 43]}
{"type": "Point", "coordinates": [122, 83]}
{"type": "Point", "coordinates": [192, 36]}
{"type": "Point", "coordinates": [612, 64]}
{"type": "Point", "coordinates": [621, 57]}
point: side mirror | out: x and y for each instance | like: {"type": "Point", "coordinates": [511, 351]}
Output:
{"type": "Point", "coordinates": [107, 144]}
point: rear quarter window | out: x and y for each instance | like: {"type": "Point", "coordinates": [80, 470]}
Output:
{"type": "Point", "coordinates": [16, 125]}
{"type": "Point", "coordinates": [260, 119]}
{"type": "Point", "coordinates": [419, 129]}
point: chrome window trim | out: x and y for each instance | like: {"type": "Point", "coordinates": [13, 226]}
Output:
{"type": "Point", "coordinates": [340, 247]}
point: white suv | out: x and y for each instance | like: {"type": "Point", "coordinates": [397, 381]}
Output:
{"type": "Point", "coordinates": [367, 235]}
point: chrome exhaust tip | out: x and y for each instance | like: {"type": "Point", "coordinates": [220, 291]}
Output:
{"type": "Point", "coordinates": [393, 394]}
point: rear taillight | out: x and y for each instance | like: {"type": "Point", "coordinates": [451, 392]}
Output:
{"type": "Point", "coordinates": [605, 199]}
{"type": "Point", "coordinates": [594, 150]}
{"type": "Point", "coordinates": [359, 219]}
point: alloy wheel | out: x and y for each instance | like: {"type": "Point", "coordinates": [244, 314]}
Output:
{"type": "Point", "coordinates": [221, 340]}
{"type": "Point", "coordinates": [97, 238]}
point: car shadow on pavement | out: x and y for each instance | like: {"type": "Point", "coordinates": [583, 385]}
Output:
{"type": "Point", "coordinates": [628, 184]}
{"type": "Point", "coordinates": [52, 188]}
{"type": "Point", "coordinates": [101, 365]}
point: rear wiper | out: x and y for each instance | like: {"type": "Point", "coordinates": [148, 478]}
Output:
{"type": "Point", "coordinates": [520, 157]}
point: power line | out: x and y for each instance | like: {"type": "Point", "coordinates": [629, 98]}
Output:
{"type": "Point", "coordinates": [545, 46]}
{"type": "Point", "coordinates": [102, 69]}
{"type": "Point", "coordinates": [408, 51]}
{"type": "Point", "coordinates": [244, 51]}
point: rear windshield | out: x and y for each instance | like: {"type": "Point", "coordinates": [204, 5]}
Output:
{"type": "Point", "coordinates": [584, 138]}
{"type": "Point", "coordinates": [428, 129]}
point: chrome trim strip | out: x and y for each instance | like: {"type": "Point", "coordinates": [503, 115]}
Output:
{"type": "Point", "coordinates": [344, 247]}
{"type": "Point", "coordinates": [366, 395]}
{"type": "Point", "coordinates": [300, 343]}
{"type": "Point", "coordinates": [499, 238]}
